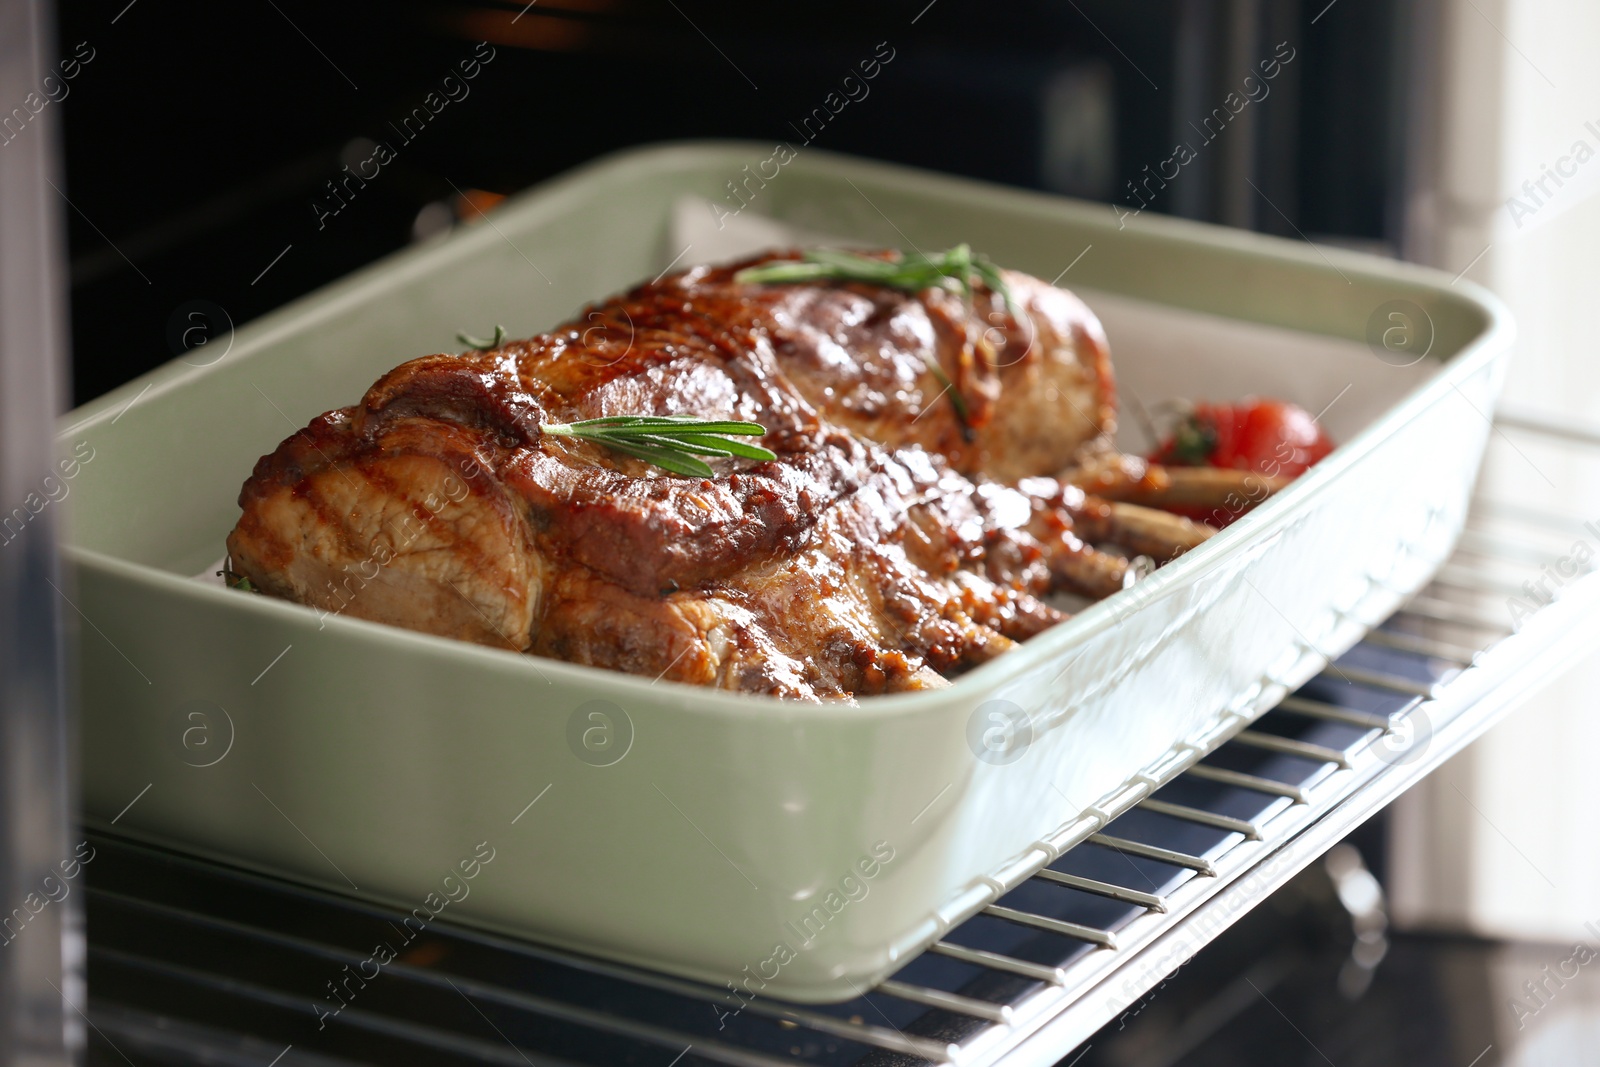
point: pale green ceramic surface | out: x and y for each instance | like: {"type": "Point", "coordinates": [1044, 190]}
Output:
{"type": "Point", "coordinates": [371, 759]}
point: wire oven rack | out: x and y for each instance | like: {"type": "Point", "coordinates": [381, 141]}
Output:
{"type": "Point", "coordinates": [195, 962]}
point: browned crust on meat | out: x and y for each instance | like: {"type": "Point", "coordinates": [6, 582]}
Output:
{"type": "Point", "coordinates": [863, 559]}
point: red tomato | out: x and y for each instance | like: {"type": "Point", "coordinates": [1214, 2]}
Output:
{"type": "Point", "coordinates": [1271, 437]}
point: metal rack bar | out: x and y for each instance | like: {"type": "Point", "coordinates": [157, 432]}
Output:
{"type": "Point", "coordinates": [1204, 818]}
{"type": "Point", "coordinates": [1290, 747]}
{"type": "Point", "coordinates": [938, 998]}
{"type": "Point", "coordinates": [1253, 782]}
{"type": "Point", "coordinates": [1321, 709]}
{"type": "Point", "coordinates": [1481, 544]}
{"type": "Point", "coordinates": [1423, 646]}
{"type": "Point", "coordinates": [1452, 578]}
{"type": "Point", "coordinates": [1521, 514]}
{"type": "Point", "coordinates": [1104, 889]}
{"type": "Point", "coordinates": [1103, 938]}
{"type": "Point", "coordinates": [1198, 864]}
{"type": "Point", "coordinates": [1446, 611]}
{"type": "Point", "coordinates": [1392, 683]}
{"type": "Point", "coordinates": [994, 961]}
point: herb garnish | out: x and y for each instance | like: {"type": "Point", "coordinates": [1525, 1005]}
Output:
{"type": "Point", "coordinates": [234, 580]}
{"type": "Point", "coordinates": [668, 441]}
{"type": "Point", "coordinates": [480, 344]}
{"type": "Point", "coordinates": [953, 269]}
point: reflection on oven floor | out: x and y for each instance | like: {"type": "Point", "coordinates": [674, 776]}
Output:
{"type": "Point", "coordinates": [1304, 981]}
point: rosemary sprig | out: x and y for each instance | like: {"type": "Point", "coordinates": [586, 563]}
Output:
{"type": "Point", "coordinates": [671, 442]}
{"type": "Point", "coordinates": [668, 441]}
{"type": "Point", "coordinates": [479, 343]}
{"type": "Point", "coordinates": [953, 269]}
{"type": "Point", "coordinates": [234, 580]}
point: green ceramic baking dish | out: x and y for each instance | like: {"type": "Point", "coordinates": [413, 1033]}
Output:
{"type": "Point", "coordinates": [787, 850]}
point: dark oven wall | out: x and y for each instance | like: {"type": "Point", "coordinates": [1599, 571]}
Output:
{"type": "Point", "coordinates": [224, 159]}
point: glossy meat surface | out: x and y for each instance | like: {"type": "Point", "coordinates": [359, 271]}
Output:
{"type": "Point", "coordinates": [893, 542]}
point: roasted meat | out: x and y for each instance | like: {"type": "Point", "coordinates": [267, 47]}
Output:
{"type": "Point", "coordinates": [910, 527]}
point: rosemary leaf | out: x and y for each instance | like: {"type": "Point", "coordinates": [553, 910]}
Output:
{"type": "Point", "coordinates": [480, 344]}
{"type": "Point", "coordinates": [235, 580]}
{"type": "Point", "coordinates": [678, 444]}
{"type": "Point", "coordinates": [952, 270]}
{"type": "Point", "coordinates": [685, 443]}
{"type": "Point", "coordinates": [665, 458]}
{"type": "Point", "coordinates": [727, 446]}
{"type": "Point", "coordinates": [957, 401]}
{"type": "Point", "coordinates": [668, 441]}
